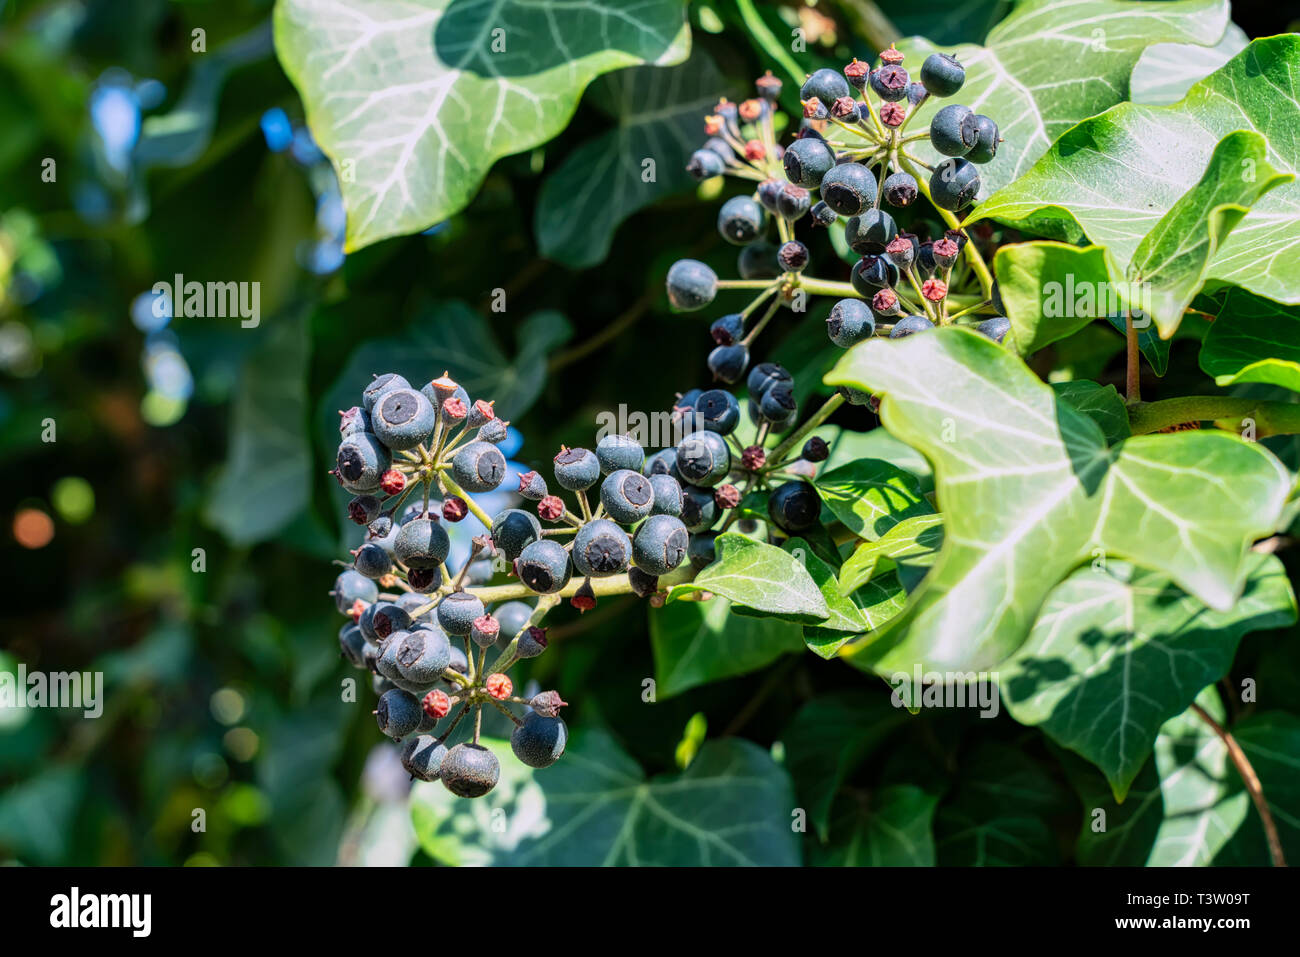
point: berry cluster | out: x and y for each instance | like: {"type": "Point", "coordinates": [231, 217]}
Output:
{"type": "Point", "coordinates": [852, 152]}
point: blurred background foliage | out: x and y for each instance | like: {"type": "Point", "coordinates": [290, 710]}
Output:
{"type": "Point", "coordinates": [131, 155]}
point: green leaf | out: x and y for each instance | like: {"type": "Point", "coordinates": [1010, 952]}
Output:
{"type": "Point", "coordinates": [888, 827]}
{"type": "Point", "coordinates": [1051, 64]}
{"type": "Point", "coordinates": [871, 496]}
{"type": "Point", "coordinates": [595, 806]}
{"type": "Point", "coordinates": [696, 642]}
{"type": "Point", "coordinates": [850, 616]}
{"type": "Point", "coordinates": [266, 479]}
{"type": "Point", "coordinates": [1030, 490]}
{"type": "Point", "coordinates": [659, 112]}
{"type": "Point", "coordinates": [1166, 71]}
{"type": "Point", "coordinates": [1253, 340]}
{"type": "Point", "coordinates": [1119, 174]}
{"type": "Point", "coordinates": [1116, 653]}
{"type": "Point", "coordinates": [414, 100]}
{"type": "Point", "coordinates": [1114, 833]}
{"type": "Point", "coordinates": [998, 815]}
{"type": "Point", "coordinates": [879, 600]}
{"type": "Point", "coordinates": [828, 739]}
{"type": "Point", "coordinates": [1173, 257]}
{"type": "Point", "coordinates": [910, 546]}
{"type": "Point", "coordinates": [758, 576]}
{"type": "Point", "coordinates": [1101, 403]}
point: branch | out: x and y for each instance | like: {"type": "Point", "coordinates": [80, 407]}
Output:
{"type": "Point", "coordinates": [1270, 418]}
{"type": "Point", "coordinates": [1251, 780]}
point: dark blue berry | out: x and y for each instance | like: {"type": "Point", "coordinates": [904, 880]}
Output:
{"type": "Point", "coordinates": [363, 509]}
{"type": "Point", "coordinates": [691, 284]}
{"type": "Point", "coordinates": [423, 655]}
{"type": "Point", "coordinates": [826, 85]}
{"type": "Point", "coordinates": [379, 386]}
{"type": "Point", "coordinates": [663, 462]}
{"type": "Point", "coordinates": [849, 189]}
{"type": "Point", "coordinates": [667, 492]}
{"type": "Point", "coordinates": [422, 543]}
{"type": "Point", "coordinates": [822, 214]}
{"type": "Point", "coordinates": [513, 529]}
{"type": "Point", "coordinates": [398, 713]}
{"type": "Point", "coordinates": [422, 756]}
{"type": "Point", "coordinates": [954, 184]}
{"type": "Point", "coordinates": [703, 458]}
{"type": "Point", "coordinates": [909, 325]}
{"type": "Point", "coordinates": [953, 131]}
{"type": "Point", "coordinates": [351, 586]}
{"type": "Point", "coordinates": [601, 549]}
{"type": "Point", "coordinates": [616, 452]}
{"type": "Point", "coordinates": [995, 328]}
{"type": "Point", "coordinates": [353, 644]}
{"type": "Point", "coordinates": [986, 140]}
{"type": "Point", "coordinates": [718, 411]}
{"type": "Point", "coordinates": [469, 770]}
{"type": "Point", "coordinates": [403, 419]}
{"type": "Point", "coordinates": [815, 450]}
{"type": "Point", "coordinates": [727, 363]}
{"type": "Point", "coordinates": [702, 549]}
{"type": "Point", "coordinates": [778, 407]}
{"type": "Point", "coordinates": [807, 160]}
{"type": "Point", "coordinates": [479, 467]}
{"type": "Point", "coordinates": [850, 322]}
{"type": "Point", "coordinates": [728, 329]}
{"type": "Point", "coordinates": [942, 75]}
{"type": "Point", "coordinates": [539, 741]}
{"type": "Point", "coordinates": [870, 232]}
{"type": "Point", "coordinates": [361, 460]}
{"type": "Point", "coordinates": [873, 273]}
{"type": "Point", "coordinates": [768, 192]}
{"type": "Point", "coordinates": [740, 220]}
{"type": "Point", "coordinates": [627, 496]}
{"type": "Point", "coordinates": [544, 567]}
{"type": "Point", "coordinates": [793, 202]}
{"type": "Point", "coordinates": [794, 507]}
{"type": "Point", "coordinates": [457, 611]}
{"type": "Point", "coordinates": [699, 509]}
{"type": "Point", "coordinates": [372, 561]}
{"type": "Point", "coordinates": [705, 164]}
{"type": "Point", "coordinates": [758, 261]}
{"type": "Point", "coordinates": [576, 469]}
{"type": "Point", "coordinates": [660, 544]}
{"type": "Point", "coordinates": [765, 375]}
{"type": "Point", "coordinates": [916, 92]}
{"type": "Point", "coordinates": [899, 189]}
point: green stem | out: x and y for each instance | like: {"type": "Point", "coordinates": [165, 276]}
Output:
{"type": "Point", "coordinates": [1270, 418]}
{"type": "Point", "coordinates": [973, 257]}
{"type": "Point", "coordinates": [797, 436]}
{"type": "Point", "coordinates": [454, 489]}
{"type": "Point", "coordinates": [771, 46]}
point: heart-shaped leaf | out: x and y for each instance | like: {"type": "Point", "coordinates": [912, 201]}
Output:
{"type": "Point", "coordinates": [1051, 64]}
{"type": "Point", "coordinates": [1120, 174]}
{"type": "Point", "coordinates": [1116, 653]}
{"type": "Point", "coordinates": [890, 826]}
{"type": "Point", "coordinates": [760, 577]}
{"type": "Point", "coordinates": [414, 100]}
{"type": "Point", "coordinates": [696, 642]}
{"type": "Point", "coordinates": [1166, 71]}
{"type": "Point", "coordinates": [1030, 490]}
{"type": "Point", "coordinates": [1253, 340]}
{"type": "Point", "coordinates": [595, 806]}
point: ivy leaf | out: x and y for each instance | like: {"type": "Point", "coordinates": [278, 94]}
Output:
{"type": "Point", "coordinates": [1119, 174]}
{"type": "Point", "coordinates": [595, 806]}
{"type": "Point", "coordinates": [660, 114]}
{"type": "Point", "coordinates": [1253, 340]}
{"type": "Point", "coordinates": [850, 616]}
{"type": "Point", "coordinates": [414, 100]}
{"type": "Point", "coordinates": [266, 479]}
{"type": "Point", "coordinates": [696, 642]}
{"type": "Point", "coordinates": [871, 496]}
{"type": "Point", "coordinates": [1051, 64]}
{"type": "Point", "coordinates": [1101, 403]}
{"type": "Point", "coordinates": [760, 577]}
{"type": "Point", "coordinates": [1166, 71]}
{"type": "Point", "coordinates": [1030, 490]}
{"type": "Point", "coordinates": [998, 814]}
{"type": "Point", "coordinates": [1115, 654]}
{"type": "Point", "coordinates": [887, 827]}
{"type": "Point", "coordinates": [1114, 833]}
{"type": "Point", "coordinates": [828, 739]}
{"type": "Point", "coordinates": [910, 546]}
{"type": "Point", "coordinates": [1052, 290]}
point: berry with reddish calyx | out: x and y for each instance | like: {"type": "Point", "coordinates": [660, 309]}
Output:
{"type": "Point", "coordinates": [532, 486]}
{"type": "Point", "coordinates": [899, 189]}
{"type": "Point", "coordinates": [454, 410]}
{"type": "Point", "coordinates": [885, 303]}
{"type": "Point", "coordinates": [934, 289]}
{"type": "Point", "coordinates": [437, 704]}
{"type": "Point", "coordinates": [815, 109]}
{"type": "Point", "coordinates": [388, 618]}
{"type": "Point", "coordinates": [727, 496]}
{"type": "Point", "coordinates": [892, 114]}
{"type": "Point", "coordinates": [357, 608]}
{"type": "Point", "coordinates": [454, 508]}
{"type": "Point", "coordinates": [551, 507]}
{"type": "Point", "coordinates": [844, 107]}
{"type": "Point", "coordinates": [793, 201]}
{"type": "Point", "coordinates": [891, 55]}
{"type": "Point", "coordinates": [945, 253]}
{"type": "Point", "coordinates": [485, 631]}
{"type": "Point", "coordinates": [753, 458]}
{"type": "Point", "coordinates": [752, 110]}
{"type": "Point", "coordinates": [392, 481]}
{"type": "Point", "coordinates": [857, 73]}
{"type": "Point", "coordinates": [815, 450]}
{"type": "Point", "coordinates": [584, 599]}
{"type": "Point", "coordinates": [547, 703]}
{"type": "Point", "coordinates": [755, 150]}
{"type": "Point", "coordinates": [355, 419]}
{"type": "Point", "coordinates": [499, 686]}
{"type": "Point", "coordinates": [494, 431]}
{"type": "Point", "coordinates": [768, 86]}
{"type": "Point", "coordinates": [901, 251]}
{"type": "Point", "coordinates": [792, 256]}
{"type": "Point", "coordinates": [728, 329]}
{"type": "Point", "coordinates": [889, 82]}
{"type": "Point", "coordinates": [441, 389]}
{"type": "Point", "coordinates": [480, 413]}
{"type": "Point", "coordinates": [531, 643]}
